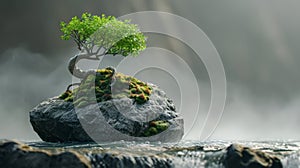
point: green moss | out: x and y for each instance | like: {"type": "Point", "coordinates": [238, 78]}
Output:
{"type": "Point", "coordinates": [104, 85]}
{"type": "Point", "coordinates": [151, 131]}
{"type": "Point", "coordinates": [156, 127]}
{"type": "Point", "coordinates": [65, 95]}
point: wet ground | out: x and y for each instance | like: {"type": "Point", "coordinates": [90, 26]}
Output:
{"type": "Point", "coordinates": [184, 154]}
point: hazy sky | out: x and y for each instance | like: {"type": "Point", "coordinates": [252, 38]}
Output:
{"type": "Point", "coordinates": [258, 42]}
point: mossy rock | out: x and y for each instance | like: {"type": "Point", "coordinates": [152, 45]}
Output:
{"type": "Point", "coordinates": [58, 120]}
{"type": "Point", "coordinates": [105, 85]}
{"type": "Point", "coordinates": [156, 127]}
{"type": "Point", "coordinates": [118, 95]}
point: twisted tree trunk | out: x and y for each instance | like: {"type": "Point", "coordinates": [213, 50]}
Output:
{"type": "Point", "coordinates": [79, 73]}
{"type": "Point", "coordinates": [73, 69]}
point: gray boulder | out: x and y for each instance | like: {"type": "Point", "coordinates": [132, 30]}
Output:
{"type": "Point", "coordinates": [238, 156]}
{"type": "Point", "coordinates": [56, 120]}
{"type": "Point", "coordinates": [17, 155]}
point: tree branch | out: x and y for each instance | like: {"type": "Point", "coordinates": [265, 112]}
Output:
{"type": "Point", "coordinates": [75, 36]}
{"type": "Point", "coordinates": [100, 55]}
{"type": "Point", "coordinates": [106, 50]}
{"type": "Point", "coordinates": [98, 50]}
{"type": "Point", "coordinates": [86, 48]}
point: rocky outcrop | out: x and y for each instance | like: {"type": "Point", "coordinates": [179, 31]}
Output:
{"type": "Point", "coordinates": [57, 120]}
{"type": "Point", "coordinates": [111, 160]}
{"type": "Point", "coordinates": [128, 155]}
{"type": "Point", "coordinates": [17, 155]}
{"type": "Point", "coordinates": [238, 156]}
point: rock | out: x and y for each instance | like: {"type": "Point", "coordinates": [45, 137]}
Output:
{"type": "Point", "coordinates": [112, 160]}
{"type": "Point", "coordinates": [130, 155]}
{"type": "Point", "coordinates": [154, 118]}
{"type": "Point", "coordinates": [17, 155]}
{"type": "Point", "coordinates": [238, 156]}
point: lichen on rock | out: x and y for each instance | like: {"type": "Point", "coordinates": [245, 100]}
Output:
{"type": "Point", "coordinates": [105, 85]}
{"type": "Point", "coordinates": [156, 127]}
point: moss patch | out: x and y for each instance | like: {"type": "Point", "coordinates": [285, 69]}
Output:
{"type": "Point", "coordinates": [156, 127]}
{"type": "Point", "coordinates": [105, 85]}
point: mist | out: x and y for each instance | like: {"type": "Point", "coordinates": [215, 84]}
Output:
{"type": "Point", "coordinates": [258, 42]}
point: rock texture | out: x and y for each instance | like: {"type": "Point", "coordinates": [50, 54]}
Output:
{"type": "Point", "coordinates": [17, 155]}
{"type": "Point", "coordinates": [56, 120]}
{"type": "Point", "coordinates": [130, 155]}
{"type": "Point", "coordinates": [110, 160]}
{"type": "Point", "coordinates": [238, 156]}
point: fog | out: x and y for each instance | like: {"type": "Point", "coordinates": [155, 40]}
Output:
{"type": "Point", "coordinates": [258, 42]}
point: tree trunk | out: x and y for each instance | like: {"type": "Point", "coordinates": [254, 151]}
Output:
{"type": "Point", "coordinates": [79, 73]}
{"type": "Point", "coordinates": [74, 70]}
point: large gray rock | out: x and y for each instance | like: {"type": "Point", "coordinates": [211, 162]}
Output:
{"type": "Point", "coordinates": [17, 155]}
{"type": "Point", "coordinates": [238, 156]}
{"type": "Point", "coordinates": [56, 120]}
{"type": "Point", "coordinates": [133, 155]}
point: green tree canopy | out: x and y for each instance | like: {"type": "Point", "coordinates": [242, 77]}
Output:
{"type": "Point", "coordinates": [102, 35]}
{"type": "Point", "coordinates": [105, 34]}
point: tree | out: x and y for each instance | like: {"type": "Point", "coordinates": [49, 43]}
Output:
{"type": "Point", "coordinates": [97, 36]}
